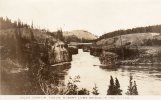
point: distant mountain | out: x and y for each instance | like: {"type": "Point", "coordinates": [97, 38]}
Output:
{"type": "Point", "coordinates": [78, 36]}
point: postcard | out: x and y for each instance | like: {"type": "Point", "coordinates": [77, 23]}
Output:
{"type": "Point", "coordinates": [80, 49]}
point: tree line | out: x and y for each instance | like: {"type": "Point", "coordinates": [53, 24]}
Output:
{"type": "Point", "coordinates": [6, 23]}
{"type": "Point", "coordinates": [72, 88]}
{"type": "Point", "coordinates": [113, 89]}
{"type": "Point", "coordinates": [148, 29]}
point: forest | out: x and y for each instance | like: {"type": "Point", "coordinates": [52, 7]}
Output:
{"type": "Point", "coordinates": [147, 29]}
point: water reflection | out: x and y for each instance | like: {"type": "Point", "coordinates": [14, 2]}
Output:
{"type": "Point", "coordinates": [153, 71]}
{"type": "Point", "coordinates": [147, 77]}
{"type": "Point", "coordinates": [51, 79]}
{"type": "Point", "coordinates": [58, 73]}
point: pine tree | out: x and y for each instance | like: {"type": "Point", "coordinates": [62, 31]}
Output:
{"type": "Point", "coordinates": [111, 90]}
{"type": "Point", "coordinates": [114, 88]}
{"type": "Point", "coordinates": [95, 90]}
{"type": "Point", "coordinates": [32, 35]}
{"type": "Point", "coordinates": [135, 91]}
{"type": "Point", "coordinates": [117, 87]}
{"type": "Point", "coordinates": [60, 35]}
{"type": "Point", "coordinates": [132, 88]}
{"type": "Point", "coordinates": [32, 25]}
{"type": "Point", "coordinates": [83, 91]}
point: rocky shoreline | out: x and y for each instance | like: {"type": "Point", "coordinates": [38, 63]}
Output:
{"type": "Point", "coordinates": [113, 57]}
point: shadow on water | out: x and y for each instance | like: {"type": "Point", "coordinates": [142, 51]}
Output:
{"type": "Point", "coordinates": [58, 73]}
{"type": "Point", "coordinates": [153, 71]}
{"type": "Point", "coordinates": [51, 78]}
{"type": "Point", "coordinates": [109, 68]}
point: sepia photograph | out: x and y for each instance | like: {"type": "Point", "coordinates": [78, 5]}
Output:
{"type": "Point", "coordinates": [80, 47]}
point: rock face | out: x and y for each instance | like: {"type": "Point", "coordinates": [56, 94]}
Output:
{"type": "Point", "coordinates": [95, 51]}
{"type": "Point", "coordinates": [108, 58]}
{"type": "Point", "coordinates": [59, 53]}
{"type": "Point", "coordinates": [73, 50]}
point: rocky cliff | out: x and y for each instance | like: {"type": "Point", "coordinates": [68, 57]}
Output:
{"type": "Point", "coordinates": [24, 52]}
{"type": "Point", "coordinates": [59, 53]}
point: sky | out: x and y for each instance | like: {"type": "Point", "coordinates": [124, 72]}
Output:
{"type": "Point", "coordinates": [95, 16]}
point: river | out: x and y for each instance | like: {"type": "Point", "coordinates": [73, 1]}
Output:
{"type": "Point", "coordinates": [148, 78]}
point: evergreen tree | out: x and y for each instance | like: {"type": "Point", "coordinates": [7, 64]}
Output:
{"type": "Point", "coordinates": [132, 88]}
{"type": "Point", "coordinates": [111, 90]}
{"type": "Point", "coordinates": [60, 35]}
{"type": "Point", "coordinates": [135, 91]}
{"type": "Point", "coordinates": [117, 87]}
{"type": "Point", "coordinates": [95, 90]}
{"type": "Point", "coordinates": [32, 35]}
{"type": "Point", "coordinates": [83, 91]}
{"type": "Point", "coordinates": [114, 88]}
{"type": "Point", "coordinates": [32, 25]}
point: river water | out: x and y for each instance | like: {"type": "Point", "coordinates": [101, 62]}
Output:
{"type": "Point", "coordinates": [148, 78]}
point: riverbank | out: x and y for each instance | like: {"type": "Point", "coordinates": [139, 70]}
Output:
{"type": "Point", "coordinates": [24, 51]}
{"type": "Point", "coordinates": [142, 55]}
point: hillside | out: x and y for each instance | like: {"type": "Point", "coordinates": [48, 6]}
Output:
{"type": "Point", "coordinates": [78, 36]}
{"type": "Point", "coordinates": [24, 51]}
{"type": "Point", "coordinates": [22, 43]}
{"type": "Point", "coordinates": [139, 45]}
{"type": "Point", "coordinates": [142, 36]}
{"type": "Point", "coordinates": [148, 29]}
{"type": "Point", "coordinates": [140, 39]}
